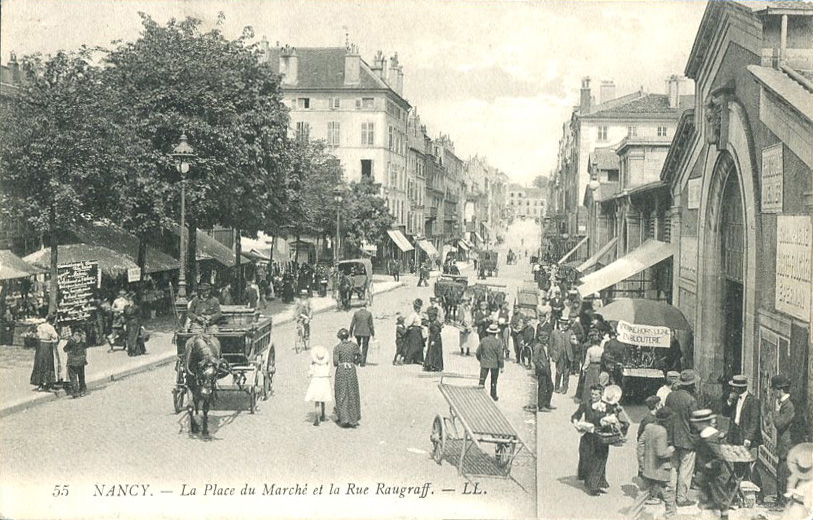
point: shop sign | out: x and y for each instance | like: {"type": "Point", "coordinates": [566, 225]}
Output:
{"type": "Point", "coordinates": [793, 245]}
{"type": "Point", "coordinates": [77, 283]}
{"type": "Point", "coordinates": [644, 335]}
{"type": "Point", "coordinates": [688, 258]}
{"type": "Point", "coordinates": [133, 274]}
{"type": "Point", "coordinates": [769, 345]}
{"type": "Point", "coordinates": [693, 192]}
{"type": "Point", "coordinates": [772, 179]}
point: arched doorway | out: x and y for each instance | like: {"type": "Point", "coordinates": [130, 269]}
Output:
{"type": "Point", "coordinates": [732, 242]}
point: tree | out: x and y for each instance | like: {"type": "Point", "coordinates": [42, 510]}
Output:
{"type": "Point", "coordinates": [541, 182]}
{"type": "Point", "coordinates": [364, 216]}
{"type": "Point", "coordinates": [57, 150]}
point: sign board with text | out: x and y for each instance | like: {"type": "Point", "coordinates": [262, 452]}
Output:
{"type": "Point", "coordinates": [793, 243]}
{"type": "Point", "coordinates": [77, 284]}
{"type": "Point", "coordinates": [133, 274]}
{"type": "Point", "coordinates": [644, 335]}
{"type": "Point", "coordinates": [772, 179]}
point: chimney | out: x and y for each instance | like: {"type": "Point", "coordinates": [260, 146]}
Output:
{"type": "Point", "coordinates": [378, 64]}
{"type": "Point", "coordinates": [607, 91]}
{"type": "Point", "coordinates": [288, 65]}
{"type": "Point", "coordinates": [674, 91]}
{"type": "Point", "coordinates": [352, 65]}
{"type": "Point", "coordinates": [265, 50]}
{"type": "Point", "coordinates": [584, 105]}
{"type": "Point", "coordinates": [400, 89]}
{"type": "Point", "coordinates": [14, 66]}
{"type": "Point", "coordinates": [392, 74]}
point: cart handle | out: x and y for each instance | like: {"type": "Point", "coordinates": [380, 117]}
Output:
{"type": "Point", "coordinates": [454, 375]}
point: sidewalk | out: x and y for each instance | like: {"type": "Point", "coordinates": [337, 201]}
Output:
{"type": "Point", "coordinates": [104, 366]}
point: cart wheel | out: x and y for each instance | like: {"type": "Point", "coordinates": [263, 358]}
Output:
{"type": "Point", "coordinates": [252, 399]}
{"type": "Point", "coordinates": [438, 439]}
{"type": "Point", "coordinates": [266, 385]}
{"type": "Point", "coordinates": [177, 399]}
{"type": "Point", "coordinates": [503, 453]}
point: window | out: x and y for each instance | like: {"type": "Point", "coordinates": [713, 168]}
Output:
{"type": "Point", "coordinates": [661, 131]}
{"type": "Point", "coordinates": [367, 168]}
{"type": "Point", "coordinates": [333, 103]}
{"type": "Point", "coordinates": [333, 133]}
{"type": "Point", "coordinates": [367, 134]}
{"type": "Point", "coordinates": [303, 131]}
{"type": "Point", "coordinates": [602, 133]}
{"type": "Point", "coordinates": [367, 103]}
{"type": "Point", "coordinates": [303, 103]}
{"type": "Point", "coordinates": [612, 175]}
{"type": "Point", "coordinates": [391, 141]}
{"type": "Point", "coordinates": [632, 131]}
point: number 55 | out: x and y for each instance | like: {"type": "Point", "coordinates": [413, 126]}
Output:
{"type": "Point", "coordinates": [60, 491]}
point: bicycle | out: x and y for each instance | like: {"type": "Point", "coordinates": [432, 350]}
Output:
{"type": "Point", "coordinates": [302, 341]}
{"type": "Point", "coordinates": [526, 356]}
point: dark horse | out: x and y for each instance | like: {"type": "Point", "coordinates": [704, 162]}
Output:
{"type": "Point", "coordinates": [345, 290]}
{"type": "Point", "coordinates": [203, 368]}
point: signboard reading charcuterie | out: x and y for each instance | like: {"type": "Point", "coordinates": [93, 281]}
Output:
{"type": "Point", "coordinates": [77, 283]}
{"type": "Point", "coordinates": [644, 335]}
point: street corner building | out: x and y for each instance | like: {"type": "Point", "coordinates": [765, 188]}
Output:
{"type": "Point", "coordinates": [739, 172]}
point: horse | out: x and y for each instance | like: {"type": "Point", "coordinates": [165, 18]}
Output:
{"type": "Point", "coordinates": [203, 368]}
{"type": "Point", "coordinates": [345, 290]}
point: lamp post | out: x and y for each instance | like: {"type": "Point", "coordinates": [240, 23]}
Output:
{"type": "Point", "coordinates": [338, 196]}
{"type": "Point", "coordinates": [182, 153]}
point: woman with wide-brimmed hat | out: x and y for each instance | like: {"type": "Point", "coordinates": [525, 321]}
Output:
{"type": "Point", "coordinates": [434, 351]}
{"type": "Point", "coordinates": [800, 482]}
{"type": "Point", "coordinates": [319, 391]}
{"type": "Point", "coordinates": [346, 355]}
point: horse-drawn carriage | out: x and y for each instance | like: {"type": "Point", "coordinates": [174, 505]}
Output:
{"type": "Point", "coordinates": [492, 293]}
{"type": "Point", "coordinates": [450, 291]}
{"type": "Point", "coordinates": [242, 346]}
{"type": "Point", "coordinates": [488, 264]}
{"type": "Point", "coordinates": [354, 277]}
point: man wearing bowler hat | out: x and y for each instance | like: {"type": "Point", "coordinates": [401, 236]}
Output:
{"type": "Point", "coordinates": [783, 415]}
{"type": "Point", "coordinates": [716, 482]}
{"type": "Point", "coordinates": [489, 354]}
{"type": "Point", "coordinates": [682, 402]}
{"type": "Point", "coordinates": [742, 408]}
{"type": "Point", "coordinates": [561, 354]}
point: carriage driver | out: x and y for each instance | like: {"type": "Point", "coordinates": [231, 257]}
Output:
{"type": "Point", "coordinates": [204, 311]}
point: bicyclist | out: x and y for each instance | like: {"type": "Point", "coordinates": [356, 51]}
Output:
{"type": "Point", "coordinates": [304, 314]}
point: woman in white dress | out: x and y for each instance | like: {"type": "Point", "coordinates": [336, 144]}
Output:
{"type": "Point", "coordinates": [466, 323]}
{"type": "Point", "coordinates": [319, 391]}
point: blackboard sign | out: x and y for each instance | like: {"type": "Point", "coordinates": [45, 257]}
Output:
{"type": "Point", "coordinates": [77, 284]}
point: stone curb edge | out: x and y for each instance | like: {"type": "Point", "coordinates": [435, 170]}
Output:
{"type": "Point", "coordinates": [105, 378]}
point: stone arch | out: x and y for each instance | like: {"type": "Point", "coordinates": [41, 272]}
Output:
{"type": "Point", "coordinates": [736, 157]}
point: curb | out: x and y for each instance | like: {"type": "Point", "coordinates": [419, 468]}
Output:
{"type": "Point", "coordinates": [110, 376]}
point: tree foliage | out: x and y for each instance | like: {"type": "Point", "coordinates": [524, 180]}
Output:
{"type": "Point", "coordinates": [365, 216]}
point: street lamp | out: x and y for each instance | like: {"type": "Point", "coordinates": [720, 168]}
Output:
{"type": "Point", "coordinates": [338, 196]}
{"type": "Point", "coordinates": [182, 153]}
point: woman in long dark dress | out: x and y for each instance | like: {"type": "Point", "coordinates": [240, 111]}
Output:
{"type": "Point", "coordinates": [434, 352]}
{"type": "Point", "coordinates": [414, 339]}
{"type": "Point", "coordinates": [43, 376]}
{"type": "Point", "coordinates": [346, 355]}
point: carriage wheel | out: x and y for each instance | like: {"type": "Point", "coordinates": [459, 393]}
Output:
{"type": "Point", "coordinates": [438, 439]}
{"type": "Point", "coordinates": [504, 452]}
{"type": "Point", "coordinates": [370, 297]}
{"type": "Point", "coordinates": [177, 399]}
{"type": "Point", "coordinates": [252, 399]}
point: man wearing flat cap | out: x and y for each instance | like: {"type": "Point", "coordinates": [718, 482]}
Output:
{"type": "Point", "coordinates": [742, 408]}
{"type": "Point", "coordinates": [682, 402]}
{"type": "Point", "coordinates": [204, 311]}
{"type": "Point", "coordinates": [783, 415]}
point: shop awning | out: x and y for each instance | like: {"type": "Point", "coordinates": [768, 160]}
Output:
{"type": "Point", "coordinates": [486, 227]}
{"type": "Point", "coordinates": [208, 248]}
{"type": "Point", "coordinates": [12, 266]}
{"type": "Point", "coordinates": [112, 263]}
{"type": "Point", "coordinates": [477, 237]}
{"type": "Point", "coordinates": [114, 237]}
{"type": "Point", "coordinates": [428, 247]}
{"type": "Point", "coordinates": [648, 254]}
{"type": "Point", "coordinates": [575, 248]}
{"type": "Point", "coordinates": [590, 262]}
{"type": "Point", "coordinates": [465, 244]}
{"type": "Point", "coordinates": [400, 240]}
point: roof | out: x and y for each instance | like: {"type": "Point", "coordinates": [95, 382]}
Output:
{"type": "Point", "coordinates": [781, 84]}
{"type": "Point", "coordinates": [605, 159]}
{"type": "Point", "coordinates": [645, 106]}
{"type": "Point", "coordinates": [632, 142]}
{"type": "Point", "coordinates": [679, 146]}
{"type": "Point", "coordinates": [111, 263]}
{"type": "Point", "coordinates": [118, 239]}
{"type": "Point", "coordinates": [12, 266]}
{"type": "Point", "coordinates": [711, 23]}
{"type": "Point", "coordinates": [777, 7]}
{"type": "Point", "coordinates": [516, 187]}
{"type": "Point", "coordinates": [534, 193]}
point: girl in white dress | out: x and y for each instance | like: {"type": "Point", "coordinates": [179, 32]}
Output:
{"type": "Point", "coordinates": [320, 390]}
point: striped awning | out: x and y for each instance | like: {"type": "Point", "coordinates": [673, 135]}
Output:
{"type": "Point", "coordinates": [590, 262]}
{"type": "Point", "coordinates": [400, 240]}
{"type": "Point", "coordinates": [581, 242]}
{"type": "Point", "coordinates": [645, 256]}
{"type": "Point", "coordinates": [428, 247]}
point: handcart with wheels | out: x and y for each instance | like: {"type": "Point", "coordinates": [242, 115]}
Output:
{"type": "Point", "coordinates": [475, 421]}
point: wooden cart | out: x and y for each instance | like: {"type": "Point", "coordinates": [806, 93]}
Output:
{"type": "Point", "coordinates": [247, 344]}
{"type": "Point", "coordinates": [474, 420]}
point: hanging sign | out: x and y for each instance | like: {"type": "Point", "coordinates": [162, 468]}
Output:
{"type": "Point", "coordinates": [133, 274]}
{"type": "Point", "coordinates": [76, 289]}
{"type": "Point", "coordinates": [644, 335]}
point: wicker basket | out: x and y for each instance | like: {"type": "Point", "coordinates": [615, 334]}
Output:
{"type": "Point", "coordinates": [610, 438]}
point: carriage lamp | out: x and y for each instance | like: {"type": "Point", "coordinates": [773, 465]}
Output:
{"type": "Point", "coordinates": [183, 154]}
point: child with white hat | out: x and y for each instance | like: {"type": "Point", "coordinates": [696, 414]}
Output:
{"type": "Point", "coordinates": [319, 391]}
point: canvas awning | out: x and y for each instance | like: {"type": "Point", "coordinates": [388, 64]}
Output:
{"type": "Point", "coordinates": [486, 227]}
{"type": "Point", "coordinates": [463, 245]}
{"type": "Point", "coordinates": [111, 263]}
{"type": "Point", "coordinates": [12, 266]}
{"type": "Point", "coordinates": [428, 247]}
{"type": "Point", "coordinates": [590, 262]}
{"type": "Point", "coordinates": [575, 248]}
{"type": "Point", "coordinates": [477, 237]}
{"type": "Point", "coordinates": [648, 254]}
{"type": "Point", "coordinates": [112, 236]}
{"type": "Point", "coordinates": [400, 240]}
{"type": "Point", "coordinates": [208, 248]}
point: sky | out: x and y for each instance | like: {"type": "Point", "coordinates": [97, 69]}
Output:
{"type": "Point", "coordinates": [499, 77]}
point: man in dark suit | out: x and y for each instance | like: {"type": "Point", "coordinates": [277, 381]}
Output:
{"type": "Point", "coordinates": [783, 415]}
{"type": "Point", "coordinates": [544, 379]}
{"type": "Point", "coordinates": [76, 348]}
{"type": "Point", "coordinates": [561, 353]}
{"type": "Point", "coordinates": [482, 319]}
{"type": "Point", "coordinates": [682, 402]}
{"type": "Point", "coordinates": [743, 410]}
{"type": "Point", "coordinates": [362, 328]}
{"type": "Point", "coordinates": [489, 354]}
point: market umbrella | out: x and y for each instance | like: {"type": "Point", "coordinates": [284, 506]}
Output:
{"type": "Point", "coordinates": [12, 266]}
{"type": "Point", "coordinates": [645, 312]}
{"type": "Point", "coordinates": [111, 262]}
